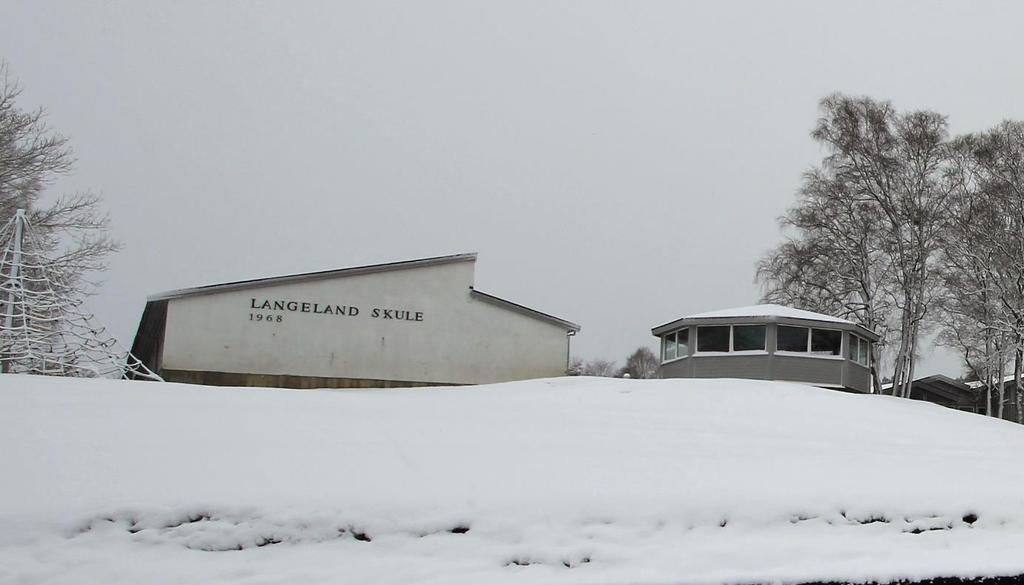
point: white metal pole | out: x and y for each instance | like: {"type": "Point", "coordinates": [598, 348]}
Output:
{"type": "Point", "coordinates": [14, 277]}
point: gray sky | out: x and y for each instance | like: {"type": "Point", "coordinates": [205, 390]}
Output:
{"type": "Point", "coordinates": [619, 164]}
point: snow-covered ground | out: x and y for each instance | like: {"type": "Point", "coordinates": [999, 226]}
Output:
{"type": "Point", "coordinates": [550, 481]}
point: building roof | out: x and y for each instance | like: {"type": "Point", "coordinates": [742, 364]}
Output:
{"type": "Point", "coordinates": [309, 276]}
{"type": "Point", "coordinates": [763, 313]}
{"type": "Point", "coordinates": [769, 310]}
{"type": "Point", "coordinates": [523, 310]}
{"type": "Point", "coordinates": [940, 389]}
{"type": "Point", "coordinates": [981, 384]}
{"type": "Point", "coordinates": [944, 386]}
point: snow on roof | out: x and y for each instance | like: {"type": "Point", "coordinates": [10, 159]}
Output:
{"type": "Point", "coordinates": [571, 480]}
{"type": "Point", "coordinates": [768, 310]}
{"type": "Point", "coordinates": [981, 383]}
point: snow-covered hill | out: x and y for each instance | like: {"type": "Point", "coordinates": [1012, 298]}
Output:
{"type": "Point", "coordinates": [550, 481]}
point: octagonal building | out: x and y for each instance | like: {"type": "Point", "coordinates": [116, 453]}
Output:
{"type": "Point", "coordinates": [768, 342]}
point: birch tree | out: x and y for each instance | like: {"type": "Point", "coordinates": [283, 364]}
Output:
{"type": "Point", "coordinates": [868, 222]}
{"type": "Point", "coordinates": [971, 308]}
{"type": "Point", "coordinates": [832, 263]}
{"type": "Point", "coordinates": [897, 163]}
{"type": "Point", "coordinates": [990, 168]}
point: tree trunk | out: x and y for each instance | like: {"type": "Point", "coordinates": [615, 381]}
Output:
{"type": "Point", "coordinates": [876, 382]}
{"type": "Point", "coordinates": [988, 372]}
{"type": "Point", "coordinates": [1001, 393]}
{"type": "Point", "coordinates": [899, 374]}
{"type": "Point", "coordinates": [1018, 396]}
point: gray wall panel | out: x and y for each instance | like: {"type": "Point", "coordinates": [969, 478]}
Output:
{"type": "Point", "coordinates": [857, 377]}
{"type": "Point", "coordinates": [809, 369]}
{"type": "Point", "coordinates": [677, 369]}
{"type": "Point", "coordinates": [755, 367]}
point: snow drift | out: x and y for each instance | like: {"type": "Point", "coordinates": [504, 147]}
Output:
{"type": "Point", "coordinates": [573, 480]}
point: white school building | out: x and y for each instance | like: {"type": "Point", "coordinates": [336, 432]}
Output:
{"type": "Point", "coordinates": [413, 323]}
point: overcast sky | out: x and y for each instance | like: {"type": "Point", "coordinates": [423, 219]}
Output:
{"type": "Point", "coordinates": [617, 164]}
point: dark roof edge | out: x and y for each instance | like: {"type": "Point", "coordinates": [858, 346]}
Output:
{"type": "Point", "coordinates": [946, 379]}
{"type": "Point", "coordinates": [522, 310]}
{"type": "Point", "coordinates": [657, 331]}
{"type": "Point", "coordinates": [306, 276]}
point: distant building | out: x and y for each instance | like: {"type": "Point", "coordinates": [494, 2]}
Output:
{"type": "Point", "coordinates": [413, 323]}
{"type": "Point", "coordinates": [946, 391]}
{"type": "Point", "coordinates": [768, 342]}
{"type": "Point", "coordinates": [965, 396]}
{"type": "Point", "coordinates": [1009, 388]}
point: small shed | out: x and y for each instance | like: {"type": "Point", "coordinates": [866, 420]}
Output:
{"type": "Point", "coordinates": [768, 342]}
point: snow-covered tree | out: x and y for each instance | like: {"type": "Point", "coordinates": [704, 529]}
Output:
{"type": "Point", "coordinates": [71, 229]}
{"type": "Point", "coordinates": [982, 261]}
{"type": "Point", "coordinates": [50, 247]}
{"type": "Point", "coordinates": [868, 222]}
{"type": "Point", "coordinates": [832, 262]}
{"type": "Point", "coordinates": [641, 364]}
{"type": "Point", "coordinates": [599, 367]}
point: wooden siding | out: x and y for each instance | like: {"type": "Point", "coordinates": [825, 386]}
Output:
{"type": "Point", "coordinates": [754, 367]}
{"type": "Point", "coordinates": [809, 369]}
{"type": "Point", "coordinates": [677, 369]}
{"type": "Point", "coordinates": [857, 377]}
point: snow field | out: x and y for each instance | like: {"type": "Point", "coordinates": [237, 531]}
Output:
{"type": "Point", "coordinates": [556, 481]}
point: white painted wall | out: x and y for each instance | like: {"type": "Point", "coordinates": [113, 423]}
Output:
{"type": "Point", "coordinates": [460, 339]}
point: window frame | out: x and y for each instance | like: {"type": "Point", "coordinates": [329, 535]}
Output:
{"type": "Point", "coordinates": [665, 345]}
{"type": "Point", "coordinates": [808, 353]}
{"type": "Point", "coordinates": [675, 337]}
{"type": "Point", "coordinates": [732, 341]}
{"type": "Point", "coordinates": [866, 343]}
{"type": "Point", "coordinates": [807, 341]}
{"type": "Point", "coordinates": [839, 352]}
{"type": "Point", "coordinates": [728, 343]}
{"type": "Point", "coordinates": [857, 348]}
{"type": "Point", "coordinates": [678, 331]}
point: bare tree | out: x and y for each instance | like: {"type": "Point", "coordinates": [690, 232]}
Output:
{"type": "Point", "coordinates": [52, 245]}
{"type": "Point", "coordinates": [983, 255]}
{"type": "Point", "coordinates": [575, 367]}
{"type": "Point", "coordinates": [884, 187]}
{"type": "Point", "coordinates": [600, 368]}
{"type": "Point", "coordinates": [971, 309]}
{"type": "Point", "coordinates": [833, 262]}
{"type": "Point", "coordinates": [642, 363]}
{"type": "Point", "coordinates": [72, 229]}
{"type": "Point", "coordinates": [1000, 155]}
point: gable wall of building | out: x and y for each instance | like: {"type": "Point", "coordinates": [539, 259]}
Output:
{"type": "Point", "coordinates": [415, 325]}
